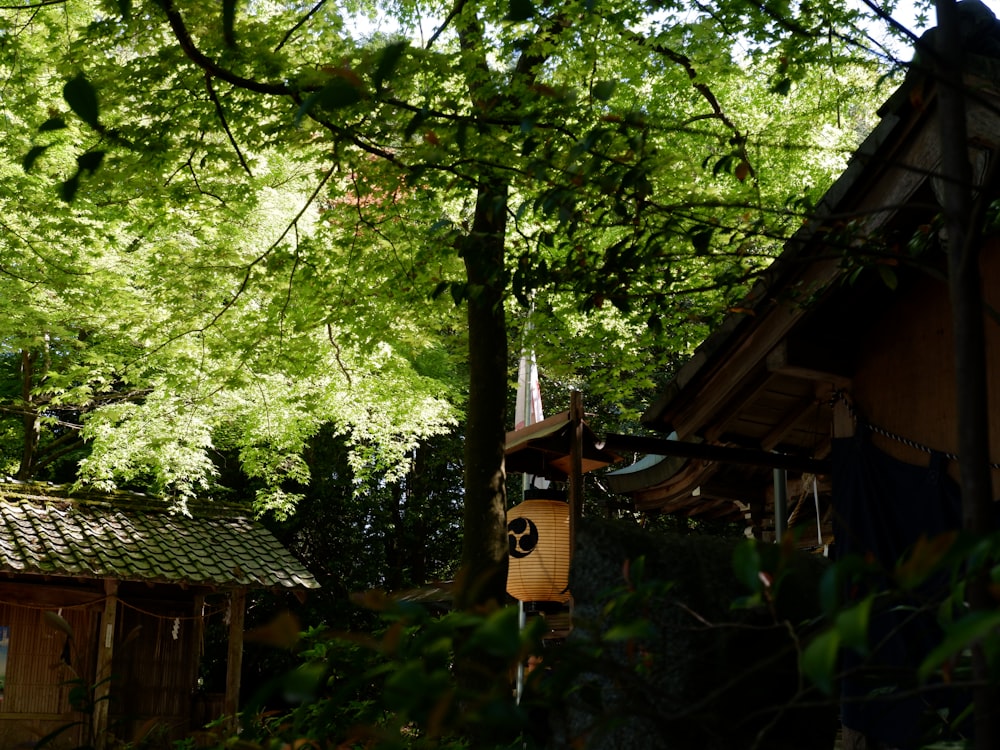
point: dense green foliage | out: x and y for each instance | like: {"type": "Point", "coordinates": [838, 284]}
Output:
{"type": "Point", "coordinates": [239, 237]}
{"type": "Point", "coordinates": [658, 657]}
{"type": "Point", "coordinates": [256, 228]}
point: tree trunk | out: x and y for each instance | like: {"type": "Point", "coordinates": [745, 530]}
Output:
{"type": "Point", "coordinates": [970, 343]}
{"type": "Point", "coordinates": [418, 493]}
{"type": "Point", "coordinates": [394, 541]}
{"type": "Point", "coordinates": [483, 578]}
{"type": "Point", "coordinates": [29, 418]}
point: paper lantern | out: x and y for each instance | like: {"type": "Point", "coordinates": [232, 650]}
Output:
{"type": "Point", "coordinates": [538, 537]}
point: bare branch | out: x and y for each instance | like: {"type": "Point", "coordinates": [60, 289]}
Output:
{"type": "Point", "coordinates": [207, 64]}
{"type": "Point", "coordinates": [33, 6]}
{"type": "Point", "coordinates": [299, 24]}
{"type": "Point", "coordinates": [336, 351]}
{"type": "Point", "coordinates": [225, 125]}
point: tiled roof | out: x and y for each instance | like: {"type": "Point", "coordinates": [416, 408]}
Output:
{"type": "Point", "coordinates": [49, 530]}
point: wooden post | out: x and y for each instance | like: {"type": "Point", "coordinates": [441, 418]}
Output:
{"type": "Point", "coordinates": [780, 503]}
{"type": "Point", "coordinates": [576, 466]}
{"type": "Point", "coordinates": [234, 659]}
{"type": "Point", "coordinates": [105, 656]}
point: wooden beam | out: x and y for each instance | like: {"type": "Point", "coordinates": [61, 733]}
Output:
{"type": "Point", "coordinates": [749, 390]}
{"type": "Point", "coordinates": [234, 658]}
{"type": "Point", "coordinates": [718, 453]}
{"type": "Point", "coordinates": [35, 593]}
{"type": "Point", "coordinates": [787, 423]}
{"type": "Point", "coordinates": [793, 363]}
{"type": "Point", "coordinates": [105, 657]}
{"type": "Point", "coordinates": [707, 385]}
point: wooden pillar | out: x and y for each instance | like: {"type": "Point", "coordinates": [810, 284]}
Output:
{"type": "Point", "coordinates": [105, 655]}
{"type": "Point", "coordinates": [576, 465]}
{"type": "Point", "coordinates": [780, 503]}
{"type": "Point", "coordinates": [234, 659]}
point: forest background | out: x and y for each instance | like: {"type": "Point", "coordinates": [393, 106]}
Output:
{"type": "Point", "coordinates": [287, 254]}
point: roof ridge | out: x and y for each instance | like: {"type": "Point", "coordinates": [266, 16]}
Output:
{"type": "Point", "coordinates": [122, 499]}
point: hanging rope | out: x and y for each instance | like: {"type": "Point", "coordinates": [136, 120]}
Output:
{"type": "Point", "coordinates": [842, 397]}
{"type": "Point", "coordinates": [819, 522]}
{"type": "Point", "coordinates": [206, 613]}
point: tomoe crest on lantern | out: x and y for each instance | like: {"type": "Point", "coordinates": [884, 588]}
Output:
{"type": "Point", "coordinates": [538, 540]}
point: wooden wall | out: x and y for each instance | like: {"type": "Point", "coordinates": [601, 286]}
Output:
{"type": "Point", "coordinates": [155, 667]}
{"type": "Point", "coordinates": [43, 663]}
{"type": "Point", "coordinates": [154, 673]}
{"type": "Point", "coordinates": [906, 380]}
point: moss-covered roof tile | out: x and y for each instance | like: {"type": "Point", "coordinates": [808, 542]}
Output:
{"type": "Point", "coordinates": [51, 530]}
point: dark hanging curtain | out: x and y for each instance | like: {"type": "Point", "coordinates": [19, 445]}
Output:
{"type": "Point", "coordinates": [882, 507]}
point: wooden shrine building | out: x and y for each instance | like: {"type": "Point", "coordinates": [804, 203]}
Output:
{"type": "Point", "coordinates": [852, 322]}
{"type": "Point", "coordinates": [831, 396]}
{"type": "Point", "coordinates": [103, 604]}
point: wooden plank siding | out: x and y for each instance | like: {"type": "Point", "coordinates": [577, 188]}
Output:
{"type": "Point", "coordinates": [36, 697]}
{"type": "Point", "coordinates": [905, 382]}
{"type": "Point", "coordinates": [154, 671]}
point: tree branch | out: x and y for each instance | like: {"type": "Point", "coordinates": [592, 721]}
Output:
{"type": "Point", "coordinates": [225, 125]}
{"type": "Point", "coordinates": [204, 62]}
{"type": "Point", "coordinates": [298, 25]}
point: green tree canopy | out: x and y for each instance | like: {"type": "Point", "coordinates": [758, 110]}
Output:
{"type": "Point", "coordinates": [235, 224]}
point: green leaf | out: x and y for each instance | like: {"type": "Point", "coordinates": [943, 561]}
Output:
{"type": "Point", "coordinates": [498, 634]}
{"type": "Point", "coordinates": [925, 559]}
{"type": "Point", "coordinates": [724, 164]}
{"type": "Point", "coordinates": [702, 239]}
{"type": "Point", "coordinates": [125, 8]}
{"type": "Point", "coordinates": [90, 161]}
{"type": "Point", "coordinates": [56, 621]}
{"type": "Point", "coordinates": [414, 124]}
{"type": "Point", "coordinates": [53, 123]}
{"type": "Point", "coordinates": [68, 190]}
{"type": "Point", "coordinates": [782, 87]}
{"type": "Point", "coordinates": [746, 564]}
{"type": "Point", "coordinates": [852, 625]}
{"type": "Point", "coordinates": [604, 89]}
{"type": "Point", "coordinates": [638, 630]}
{"type": "Point", "coordinates": [338, 93]}
{"type": "Point", "coordinates": [81, 97]}
{"type": "Point", "coordinates": [819, 660]}
{"type": "Point", "coordinates": [459, 292]}
{"type": "Point", "coordinates": [888, 276]}
{"type": "Point", "coordinates": [388, 59]}
{"type": "Point", "coordinates": [830, 589]}
{"type": "Point", "coordinates": [520, 10]}
{"type": "Point", "coordinates": [32, 156]}
{"type": "Point", "coordinates": [958, 636]}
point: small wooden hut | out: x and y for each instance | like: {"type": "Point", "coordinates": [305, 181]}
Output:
{"type": "Point", "coordinates": [103, 604]}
